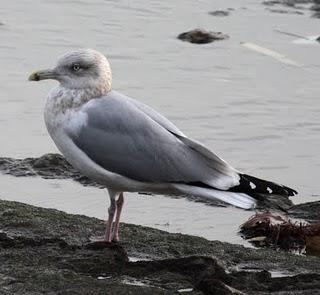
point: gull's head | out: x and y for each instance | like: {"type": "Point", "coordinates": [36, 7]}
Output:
{"type": "Point", "coordinates": [80, 69]}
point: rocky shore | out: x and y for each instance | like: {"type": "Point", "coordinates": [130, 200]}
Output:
{"type": "Point", "coordinates": [46, 251]}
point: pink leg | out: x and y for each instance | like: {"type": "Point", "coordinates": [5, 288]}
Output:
{"type": "Point", "coordinates": [111, 212]}
{"type": "Point", "coordinates": [115, 233]}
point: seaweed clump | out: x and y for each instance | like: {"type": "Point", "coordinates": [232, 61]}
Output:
{"type": "Point", "coordinates": [279, 232]}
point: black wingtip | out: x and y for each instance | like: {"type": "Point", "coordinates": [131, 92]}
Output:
{"type": "Point", "coordinates": [250, 184]}
{"type": "Point", "coordinates": [290, 191]}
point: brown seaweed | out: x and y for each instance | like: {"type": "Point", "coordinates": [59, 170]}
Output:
{"type": "Point", "coordinates": [279, 232]}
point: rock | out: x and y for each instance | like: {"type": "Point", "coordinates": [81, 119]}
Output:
{"type": "Point", "coordinates": [46, 251]}
{"type": "Point", "coordinates": [201, 36]}
{"type": "Point", "coordinates": [275, 202]}
{"type": "Point", "coordinates": [288, 3]}
{"type": "Point", "coordinates": [272, 2]}
{"type": "Point", "coordinates": [48, 166]}
{"type": "Point", "coordinates": [308, 211]}
{"type": "Point", "coordinates": [316, 9]}
{"type": "Point", "coordinates": [284, 11]}
{"type": "Point", "coordinates": [219, 13]}
{"type": "Point", "coordinates": [299, 5]}
{"type": "Point", "coordinates": [262, 281]}
{"type": "Point", "coordinates": [210, 285]}
{"type": "Point", "coordinates": [54, 166]}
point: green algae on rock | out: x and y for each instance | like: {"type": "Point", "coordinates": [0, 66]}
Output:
{"type": "Point", "coordinates": [49, 251]}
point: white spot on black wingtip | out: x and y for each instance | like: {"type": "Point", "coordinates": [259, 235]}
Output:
{"type": "Point", "coordinates": [293, 193]}
{"type": "Point", "coordinates": [252, 185]}
{"type": "Point", "coordinates": [269, 190]}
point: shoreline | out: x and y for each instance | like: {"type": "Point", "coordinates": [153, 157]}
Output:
{"type": "Point", "coordinates": [47, 250]}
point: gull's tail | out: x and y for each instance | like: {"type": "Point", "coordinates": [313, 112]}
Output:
{"type": "Point", "coordinates": [237, 199]}
{"type": "Point", "coordinates": [244, 195]}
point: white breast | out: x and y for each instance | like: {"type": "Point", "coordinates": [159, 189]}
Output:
{"type": "Point", "coordinates": [63, 106]}
{"type": "Point", "coordinates": [63, 111]}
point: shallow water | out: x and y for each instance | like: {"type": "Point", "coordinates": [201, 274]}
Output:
{"type": "Point", "coordinates": [259, 114]}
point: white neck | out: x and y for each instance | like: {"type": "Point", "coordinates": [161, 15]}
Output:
{"type": "Point", "coordinates": [61, 102]}
{"type": "Point", "coordinates": [65, 98]}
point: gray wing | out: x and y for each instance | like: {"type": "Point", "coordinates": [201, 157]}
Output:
{"type": "Point", "coordinates": [164, 122]}
{"type": "Point", "coordinates": [161, 120]}
{"type": "Point", "coordinates": [130, 139]}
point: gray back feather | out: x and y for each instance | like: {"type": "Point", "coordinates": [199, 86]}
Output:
{"type": "Point", "coordinates": [129, 138]}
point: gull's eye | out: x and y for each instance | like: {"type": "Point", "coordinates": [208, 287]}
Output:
{"type": "Point", "coordinates": [75, 67]}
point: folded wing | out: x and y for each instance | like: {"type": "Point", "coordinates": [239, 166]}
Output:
{"type": "Point", "coordinates": [130, 139]}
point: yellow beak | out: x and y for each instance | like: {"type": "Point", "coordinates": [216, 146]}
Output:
{"type": "Point", "coordinates": [42, 75]}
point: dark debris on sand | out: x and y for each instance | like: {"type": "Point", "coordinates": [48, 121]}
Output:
{"type": "Point", "coordinates": [45, 251]}
{"type": "Point", "coordinates": [284, 11]}
{"type": "Point", "coordinates": [298, 5]}
{"type": "Point", "coordinates": [219, 13]}
{"type": "Point", "coordinates": [202, 36]}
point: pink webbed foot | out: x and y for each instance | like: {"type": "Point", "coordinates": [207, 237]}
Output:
{"type": "Point", "coordinates": [112, 227]}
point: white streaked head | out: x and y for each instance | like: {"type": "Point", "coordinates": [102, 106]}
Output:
{"type": "Point", "coordinates": [80, 69]}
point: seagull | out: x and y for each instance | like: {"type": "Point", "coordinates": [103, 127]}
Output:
{"type": "Point", "coordinates": [126, 146]}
